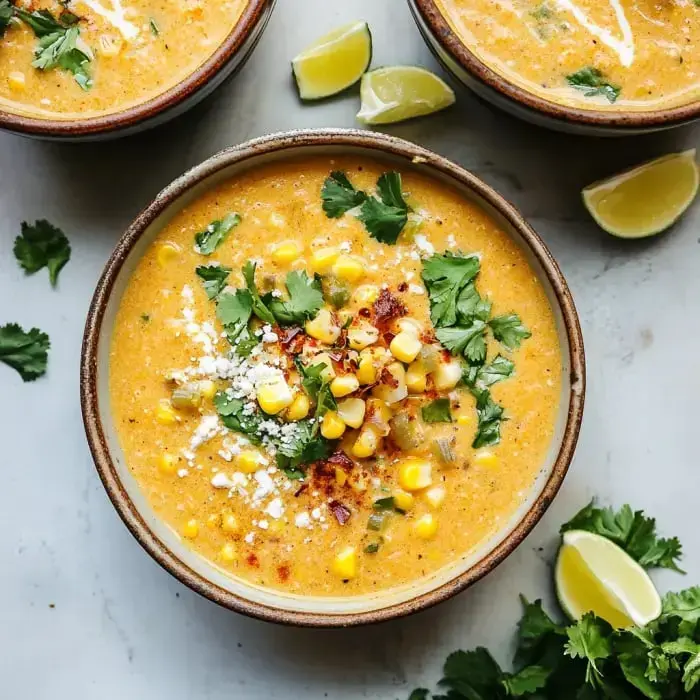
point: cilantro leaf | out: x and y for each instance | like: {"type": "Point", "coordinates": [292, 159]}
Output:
{"type": "Point", "coordinates": [305, 299]}
{"type": "Point", "coordinates": [214, 278]}
{"type": "Point", "coordinates": [207, 241]}
{"type": "Point", "coordinates": [537, 634]}
{"type": "Point", "coordinates": [497, 370]}
{"type": "Point", "coordinates": [339, 196]}
{"type": "Point", "coordinates": [437, 411]}
{"type": "Point", "coordinates": [589, 639]}
{"type": "Point", "coordinates": [509, 330]}
{"type": "Point", "coordinates": [25, 352]}
{"type": "Point", "coordinates": [386, 217]}
{"type": "Point", "coordinates": [6, 15]}
{"type": "Point", "coordinates": [471, 305]}
{"type": "Point", "coordinates": [632, 531]}
{"type": "Point", "coordinates": [526, 681]}
{"type": "Point", "coordinates": [234, 312]}
{"type": "Point", "coordinates": [684, 605]}
{"type": "Point", "coordinates": [41, 22]}
{"type": "Point", "coordinates": [235, 417]}
{"type": "Point", "coordinates": [475, 674]}
{"type": "Point", "coordinates": [259, 307]}
{"type": "Point", "coordinates": [42, 245]}
{"type": "Point", "coordinates": [468, 340]}
{"type": "Point", "coordinates": [490, 415]}
{"type": "Point", "coordinates": [155, 29]}
{"type": "Point", "coordinates": [304, 447]}
{"type": "Point", "coordinates": [592, 82]}
{"type": "Point", "coordinates": [312, 379]}
{"type": "Point", "coordinates": [444, 276]}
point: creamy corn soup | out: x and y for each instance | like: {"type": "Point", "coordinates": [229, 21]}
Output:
{"type": "Point", "coordinates": [85, 58]}
{"type": "Point", "coordinates": [592, 54]}
{"type": "Point", "coordinates": [331, 379]}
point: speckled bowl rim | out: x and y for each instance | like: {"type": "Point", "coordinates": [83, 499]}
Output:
{"type": "Point", "coordinates": [443, 33]}
{"type": "Point", "coordinates": [255, 12]}
{"type": "Point", "coordinates": [386, 146]}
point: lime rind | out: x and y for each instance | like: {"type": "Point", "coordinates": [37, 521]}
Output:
{"type": "Point", "coordinates": [330, 48]}
{"type": "Point", "coordinates": [610, 184]}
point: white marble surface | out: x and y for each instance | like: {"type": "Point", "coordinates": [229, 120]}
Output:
{"type": "Point", "coordinates": [85, 613]}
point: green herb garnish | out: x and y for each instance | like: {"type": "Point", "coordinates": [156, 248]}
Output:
{"type": "Point", "coordinates": [305, 299]}
{"type": "Point", "coordinates": [155, 29]}
{"type": "Point", "coordinates": [25, 352]}
{"type": "Point", "coordinates": [234, 311]}
{"type": "Point", "coordinates": [306, 448]}
{"type": "Point", "coordinates": [259, 307]}
{"type": "Point", "coordinates": [6, 15]}
{"type": "Point", "coordinates": [437, 411]}
{"type": "Point", "coordinates": [509, 330]}
{"type": "Point", "coordinates": [145, 318]}
{"type": "Point", "coordinates": [445, 277]}
{"type": "Point", "coordinates": [490, 415]}
{"type": "Point", "coordinates": [207, 241]}
{"type": "Point", "coordinates": [42, 245]}
{"type": "Point", "coordinates": [339, 196]}
{"type": "Point", "coordinates": [372, 548]}
{"type": "Point", "coordinates": [214, 278]}
{"type": "Point", "coordinates": [592, 82]}
{"type": "Point", "coordinates": [235, 417]}
{"type": "Point", "coordinates": [632, 531]}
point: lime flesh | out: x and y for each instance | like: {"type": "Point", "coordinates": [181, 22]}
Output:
{"type": "Point", "coordinates": [647, 199]}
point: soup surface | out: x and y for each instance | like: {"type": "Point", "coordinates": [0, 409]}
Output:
{"type": "Point", "coordinates": [312, 433]}
{"type": "Point", "coordinates": [613, 55]}
{"type": "Point", "coordinates": [86, 58]}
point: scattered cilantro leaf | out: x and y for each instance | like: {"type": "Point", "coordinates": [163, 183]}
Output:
{"type": "Point", "coordinates": [386, 504]}
{"type": "Point", "coordinates": [155, 29]}
{"type": "Point", "coordinates": [509, 330]}
{"type": "Point", "coordinates": [312, 379]}
{"type": "Point", "coordinates": [490, 415]}
{"type": "Point", "coordinates": [466, 340]}
{"type": "Point", "coordinates": [25, 352]}
{"type": "Point", "coordinates": [214, 278]}
{"type": "Point", "coordinates": [145, 318]}
{"type": "Point", "coordinates": [42, 245]}
{"type": "Point", "coordinates": [389, 190]}
{"type": "Point", "coordinates": [589, 639]}
{"type": "Point", "coordinates": [305, 299]}
{"type": "Point", "coordinates": [259, 307]}
{"type": "Point", "coordinates": [445, 275]}
{"type": "Point", "coordinates": [305, 448]}
{"type": "Point", "coordinates": [235, 417]}
{"type": "Point", "coordinates": [385, 218]}
{"type": "Point", "coordinates": [207, 241]}
{"type": "Point", "coordinates": [339, 196]}
{"type": "Point", "coordinates": [497, 370]}
{"type": "Point", "coordinates": [684, 605]}
{"type": "Point", "coordinates": [473, 674]}
{"type": "Point", "coordinates": [234, 311]}
{"type": "Point", "coordinates": [41, 22]}
{"type": "Point", "coordinates": [470, 305]}
{"type": "Point", "coordinates": [632, 531]}
{"type": "Point", "coordinates": [437, 411]}
{"type": "Point", "coordinates": [526, 681]}
{"type": "Point", "coordinates": [420, 693]}
{"type": "Point", "coordinates": [6, 15]}
{"type": "Point", "coordinates": [592, 82]}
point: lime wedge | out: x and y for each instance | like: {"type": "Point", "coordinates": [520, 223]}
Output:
{"type": "Point", "coordinates": [396, 93]}
{"type": "Point", "coordinates": [594, 574]}
{"type": "Point", "coordinates": [644, 200]}
{"type": "Point", "coordinates": [334, 62]}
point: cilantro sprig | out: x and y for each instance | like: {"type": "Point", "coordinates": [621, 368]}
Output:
{"type": "Point", "coordinates": [214, 278]}
{"type": "Point", "coordinates": [207, 241]}
{"type": "Point", "coordinates": [42, 245]}
{"type": "Point", "coordinates": [437, 411]}
{"type": "Point", "coordinates": [384, 216]}
{"type": "Point", "coordinates": [591, 82]}
{"type": "Point", "coordinates": [27, 352]}
{"type": "Point", "coordinates": [303, 303]}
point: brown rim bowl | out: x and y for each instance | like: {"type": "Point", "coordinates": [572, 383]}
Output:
{"type": "Point", "coordinates": [228, 58]}
{"type": "Point", "coordinates": [470, 70]}
{"type": "Point", "coordinates": [163, 544]}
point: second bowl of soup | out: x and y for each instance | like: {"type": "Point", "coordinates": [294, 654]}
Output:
{"type": "Point", "coordinates": [331, 378]}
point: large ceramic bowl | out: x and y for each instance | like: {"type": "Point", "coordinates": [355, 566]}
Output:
{"type": "Point", "coordinates": [224, 62]}
{"type": "Point", "coordinates": [477, 75]}
{"type": "Point", "coordinates": [163, 544]}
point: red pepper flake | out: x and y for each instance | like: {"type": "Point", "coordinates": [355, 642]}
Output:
{"type": "Point", "coordinates": [387, 377]}
{"type": "Point", "coordinates": [252, 560]}
{"type": "Point", "coordinates": [301, 490]}
{"type": "Point", "coordinates": [387, 308]}
{"type": "Point", "coordinates": [340, 459]}
{"type": "Point", "coordinates": [364, 312]}
{"type": "Point", "coordinates": [342, 513]}
{"type": "Point", "coordinates": [292, 340]}
{"type": "Point", "coordinates": [403, 287]}
{"type": "Point", "coordinates": [283, 572]}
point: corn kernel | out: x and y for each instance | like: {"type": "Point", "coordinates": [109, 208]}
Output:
{"type": "Point", "coordinates": [299, 408]}
{"type": "Point", "coordinates": [342, 386]}
{"type": "Point", "coordinates": [351, 411]}
{"type": "Point", "coordinates": [485, 459]}
{"type": "Point", "coordinates": [332, 426]}
{"type": "Point", "coordinates": [165, 413]}
{"type": "Point", "coordinates": [366, 371]}
{"type": "Point", "coordinates": [349, 268]}
{"type": "Point", "coordinates": [362, 336]}
{"type": "Point", "coordinates": [359, 485]}
{"type": "Point", "coordinates": [366, 443]}
{"type": "Point", "coordinates": [463, 420]}
{"type": "Point", "coordinates": [212, 521]}
{"type": "Point", "coordinates": [405, 347]}
{"type": "Point", "coordinates": [435, 496]}
{"type": "Point", "coordinates": [416, 377]}
{"type": "Point", "coordinates": [345, 563]}
{"type": "Point", "coordinates": [322, 259]}
{"type": "Point", "coordinates": [366, 294]}
{"type": "Point", "coordinates": [207, 389]}
{"type": "Point", "coordinates": [408, 325]}
{"type": "Point", "coordinates": [403, 500]}
{"type": "Point", "coordinates": [285, 253]}
{"type": "Point", "coordinates": [341, 476]}
{"type": "Point", "coordinates": [323, 327]}
{"type": "Point", "coordinates": [249, 461]}
{"type": "Point", "coordinates": [394, 390]}
{"type": "Point", "coordinates": [323, 358]}
{"type": "Point", "coordinates": [274, 397]}
{"type": "Point", "coordinates": [415, 473]}
{"type": "Point", "coordinates": [110, 45]}
{"type": "Point", "coordinates": [277, 220]}
{"type": "Point", "coordinates": [167, 252]}
{"type": "Point", "coordinates": [17, 81]}
{"type": "Point", "coordinates": [379, 416]}
{"type": "Point", "coordinates": [447, 375]}
{"type": "Point", "coordinates": [229, 523]}
{"type": "Point", "coordinates": [228, 553]}
{"type": "Point", "coordinates": [167, 463]}
{"type": "Point", "coordinates": [190, 529]}
{"type": "Point", "coordinates": [426, 526]}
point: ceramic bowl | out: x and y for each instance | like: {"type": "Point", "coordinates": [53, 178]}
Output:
{"type": "Point", "coordinates": [163, 544]}
{"type": "Point", "coordinates": [223, 63]}
{"type": "Point", "coordinates": [470, 70]}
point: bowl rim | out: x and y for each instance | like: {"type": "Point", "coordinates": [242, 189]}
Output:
{"type": "Point", "coordinates": [384, 145]}
{"type": "Point", "coordinates": [255, 11]}
{"type": "Point", "coordinates": [631, 120]}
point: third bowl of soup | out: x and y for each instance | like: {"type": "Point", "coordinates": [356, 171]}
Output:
{"type": "Point", "coordinates": [331, 378]}
{"type": "Point", "coordinates": [608, 68]}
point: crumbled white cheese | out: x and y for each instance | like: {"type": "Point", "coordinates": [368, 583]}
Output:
{"type": "Point", "coordinates": [221, 481]}
{"type": "Point", "coordinates": [249, 537]}
{"type": "Point", "coordinates": [423, 244]}
{"type": "Point", "coordinates": [207, 429]}
{"type": "Point", "coordinates": [416, 289]}
{"type": "Point", "coordinates": [302, 520]}
{"type": "Point", "coordinates": [263, 524]}
{"type": "Point", "coordinates": [275, 508]}
{"type": "Point", "coordinates": [182, 473]}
